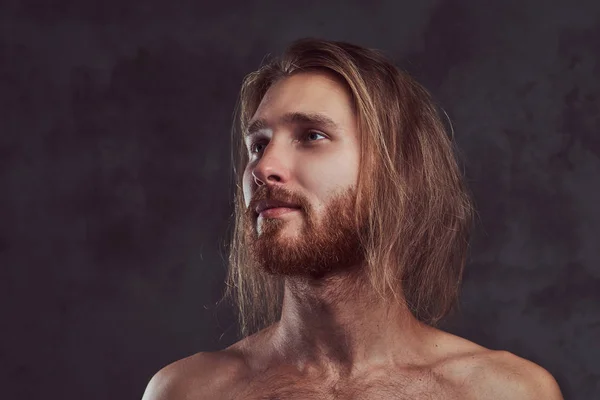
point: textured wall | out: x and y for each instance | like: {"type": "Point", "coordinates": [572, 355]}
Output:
{"type": "Point", "coordinates": [115, 175]}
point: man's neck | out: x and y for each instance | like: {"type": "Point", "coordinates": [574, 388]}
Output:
{"type": "Point", "coordinates": [339, 327]}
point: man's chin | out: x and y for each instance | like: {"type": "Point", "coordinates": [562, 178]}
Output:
{"type": "Point", "coordinates": [275, 229]}
{"type": "Point", "coordinates": [306, 246]}
{"type": "Point", "coordinates": [283, 243]}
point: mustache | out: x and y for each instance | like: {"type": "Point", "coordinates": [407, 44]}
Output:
{"type": "Point", "coordinates": [278, 194]}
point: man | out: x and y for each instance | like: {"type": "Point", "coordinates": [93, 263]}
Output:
{"type": "Point", "coordinates": [351, 235]}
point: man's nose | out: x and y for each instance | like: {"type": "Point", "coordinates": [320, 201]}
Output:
{"type": "Point", "coordinates": [271, 169]}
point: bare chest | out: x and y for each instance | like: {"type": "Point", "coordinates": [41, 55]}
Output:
{"type": "Point", "coordinates": [279, 386]}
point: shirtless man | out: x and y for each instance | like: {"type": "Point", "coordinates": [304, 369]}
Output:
{"type": "Point", "coordinates": [351, 232]}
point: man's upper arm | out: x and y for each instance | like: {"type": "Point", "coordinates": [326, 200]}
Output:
{"type": "Point", "coordinates": [163, 385]}
{"type": "Point", "coordinates": [201, 376]}
{"type": "Point", "coordinates": [178, 379]}
{"type": "Point", "coordinates": [508, 377]}
{"type": "Point", "coordinates": [542, 385]}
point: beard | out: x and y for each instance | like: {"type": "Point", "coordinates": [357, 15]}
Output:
{"type": "Point", "coordinates": [323, 246]}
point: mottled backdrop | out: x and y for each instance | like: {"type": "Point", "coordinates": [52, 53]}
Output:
{"type": "Point", "coordinates": [115, 175]}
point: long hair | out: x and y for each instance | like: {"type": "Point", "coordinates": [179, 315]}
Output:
{"type": "Point", "coordinates": [414, 208]}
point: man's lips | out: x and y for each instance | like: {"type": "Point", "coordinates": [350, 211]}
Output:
{"type": "Point", "coordinates": [276, 212]}
{"type": "Point", "coordinates": [264, 205]}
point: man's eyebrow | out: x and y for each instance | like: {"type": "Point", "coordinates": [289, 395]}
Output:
{"type": "Point", "coordinates": [317, 119]}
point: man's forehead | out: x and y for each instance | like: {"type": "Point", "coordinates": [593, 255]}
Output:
{"type": "Point", "coordinates": [306, 87]}
{"type": "Point", "coordinates": [307, 98]}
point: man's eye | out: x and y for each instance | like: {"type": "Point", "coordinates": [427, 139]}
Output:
{"type": "Point", "coordinates": [313, 136]}
{"type": "Point", "coordinates": [310, 136]}
{"type": "Point", "coordinates": [256, 147]}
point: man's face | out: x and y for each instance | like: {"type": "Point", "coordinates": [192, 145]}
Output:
{"type": "Point", "coordinates": [310, 166]}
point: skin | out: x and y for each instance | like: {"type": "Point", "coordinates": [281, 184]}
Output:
{"type": "Point", "coordinates": [335, 339]}
{"type": "Point", "coordinates": [312, 312]}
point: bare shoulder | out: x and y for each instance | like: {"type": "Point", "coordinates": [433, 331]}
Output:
{"type": "Point", "coordinates": [492, 374]}
{"type": "Point", "coordinates": [203, 375]}
{"type": "Point", "coordinates": [503, 375]}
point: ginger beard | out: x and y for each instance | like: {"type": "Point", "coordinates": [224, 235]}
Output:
{"type": "Point", "coordinates": [323, 246]}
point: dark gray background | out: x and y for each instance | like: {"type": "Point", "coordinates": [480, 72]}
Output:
{"type": "Point", "coordinates": [115, 175]}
